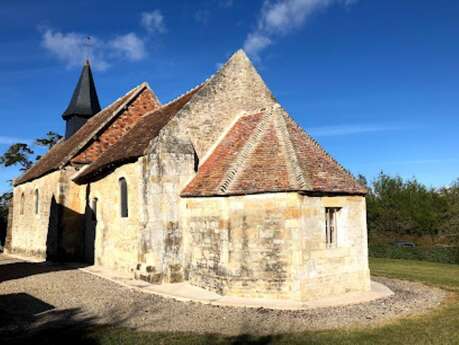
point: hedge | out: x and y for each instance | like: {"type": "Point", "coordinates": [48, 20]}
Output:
{"type": "Point", "coordinates": [448, 255]}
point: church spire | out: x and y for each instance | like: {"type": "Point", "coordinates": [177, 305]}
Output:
{"type": "Point", "coordinates": [84, 102]}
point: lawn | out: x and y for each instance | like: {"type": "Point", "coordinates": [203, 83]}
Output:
{"type": "Point", "coordinates": [439, 327]}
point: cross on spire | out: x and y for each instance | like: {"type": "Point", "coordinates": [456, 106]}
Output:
{"type": "Point", "coordinates": [87, 46]}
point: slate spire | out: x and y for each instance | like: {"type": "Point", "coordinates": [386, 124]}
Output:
{"type": "Point", "coordinates": [84, 102]}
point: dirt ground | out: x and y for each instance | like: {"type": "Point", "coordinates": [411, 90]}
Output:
{"type": "Point", "coordinates": [38, 294]}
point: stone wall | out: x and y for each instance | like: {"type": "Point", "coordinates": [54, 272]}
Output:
{"type": "Point", "coordinates": [60, 206]}
{"type": "Point", "coordinates": [172, 156]}
{"type": "Point", "coordinates": [236, 88]}
{"type": "Point", "coordinates": [273, 246]}
{"type": "Point", "coordinates": [167, 168]}
{"type": "Point", "coordinates": [242, 245]}
{"type": "Point", "coordinates": [117, 238]}
{"type": "Point", "coordinates": [331, 271]}
{"type": "Point", "coordinates": [9, 227]}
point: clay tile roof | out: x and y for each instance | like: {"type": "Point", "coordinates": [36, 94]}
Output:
{"type": "Point", "coordinates": [269, 152]}
{"type": "Point", "coordinates": [62, 152]}
{"type": "Point", "coordinates": [134, 143]}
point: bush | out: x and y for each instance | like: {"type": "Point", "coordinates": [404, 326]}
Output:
{"type": "Point", "coordinates": [448, 255]}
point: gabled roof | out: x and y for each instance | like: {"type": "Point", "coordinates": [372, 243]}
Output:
{"type": "Point", "coordinates": [84, 102]}
{"type": "Point", "coordinates": [59, 155]}
{"type": "Point", "coordinates": [134, 143]}
{"type": "Point", "coordinates": [268, 152]}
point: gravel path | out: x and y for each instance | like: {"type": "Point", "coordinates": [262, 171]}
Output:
{"type": "Point", "coordinates": [33, 294]}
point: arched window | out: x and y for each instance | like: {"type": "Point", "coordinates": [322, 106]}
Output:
{"type": "Point", "coordinates": [37, 200]}
{"type": "Point", "coordinates": [123, 197]}
{"type": "Point", "coordinates": [196, 161]}
{"type": "Point", "coordinates": [21, 204]}
{"type": "Point", "coordinates": [94, 208]}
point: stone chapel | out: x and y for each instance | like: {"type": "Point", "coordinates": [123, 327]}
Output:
{"type": "Point", "coordinates": [219, 187]}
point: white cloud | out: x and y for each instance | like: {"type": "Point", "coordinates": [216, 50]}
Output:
{"type": "Point", "coordinates": [73, 48]}
{"type": "Point", "coordinates": [279, 17]}
{"type": "Point", "coordinates": [329, 131]}
{"type": "Point", "coordinates": [153, 22]}
{"type": "Point", "coordinates": [129, 46]}
{"type": "Point", "coordinates": [256, 42]}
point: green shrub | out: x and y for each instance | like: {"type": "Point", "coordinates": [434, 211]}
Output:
{"type": "Point", "coordinates": [448, 255]}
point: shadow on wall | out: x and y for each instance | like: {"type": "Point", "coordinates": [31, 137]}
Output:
{"type": "Point", "coordinates": [3, 225]}
{"type": "Point", "coordinates": [71, 235]}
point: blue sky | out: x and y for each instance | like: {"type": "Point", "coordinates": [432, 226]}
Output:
{"type": "Point", "coordinates": [374, 81]}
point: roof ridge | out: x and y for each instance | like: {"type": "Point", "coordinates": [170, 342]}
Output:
{"type": "Point", "coordinates": [316, 143]}
{"type": "Point", "coordinates": [135, 92]}
{"type": "Point", "coordinates": [205, 81]}
{"type": "Point", "coordinates": [155, 96]}
{"type": "Point", "coordinates": [248, 148]}
{"type": "Point", "coordinates": [184, 94]}
{"type": "Point", "coordinates": [240, 115]}
{"type": "Point", "coordinates": [294, 169]}
{"type": "Point", "coordinates": [198, 85]}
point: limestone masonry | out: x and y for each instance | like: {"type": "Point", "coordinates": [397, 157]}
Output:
{"type": "Point", "coordinates": [219, 187]}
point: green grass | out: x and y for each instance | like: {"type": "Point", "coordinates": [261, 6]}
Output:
{"type": "Point", "coordinates": [445, 276]}
{"type": "Point", "coordinates": [439, 327]}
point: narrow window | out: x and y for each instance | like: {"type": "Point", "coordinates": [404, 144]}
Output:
{"type": "Point", "coordinates": [94, 209]}
{"type": "Point", "coordinates": [37, 200]}
{"type": "Point", "coordinates": [21, 205]}
{"type": "Point", "coordinates": [331, 230]}
{"type": "Point", "coordinates": [196, 161]}
{"type": "Point", "coordinates": [123, 197]}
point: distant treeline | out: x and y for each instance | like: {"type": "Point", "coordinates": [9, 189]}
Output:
{"type": "Point", "coordinates": [399, 209]}
{"type": "Point", "coordinates": [408, 207]}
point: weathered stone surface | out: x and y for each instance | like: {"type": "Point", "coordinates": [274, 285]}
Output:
{"type": "Point", "coordinates": [273, 245]}
{"type": "Point", "coordinates": [269, 245]}
{"type": "Point", "coordinates": [56, 229]}
{"type": "Point", "coordinates": [117, 238]}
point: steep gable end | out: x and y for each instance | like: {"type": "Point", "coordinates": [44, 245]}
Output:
{"type": "Point", "coordinates": [65, 150]}
{"type": "Point", "coordinates": [145, 102]}
{"type": "Point", "coordinates": [135, 142]}
{"type": "Point", "coordinates": [236, 87]}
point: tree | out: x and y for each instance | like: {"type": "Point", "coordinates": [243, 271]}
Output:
{"type": "Point", "coordinates": [407, 207]}
{"type": "Point", "coordinates": [50, 140]}
{"type": "Point", "coordinates": [17, 154]}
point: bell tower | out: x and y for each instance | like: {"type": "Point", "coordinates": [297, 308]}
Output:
{"type": "Point", "coordinates": [84, 102]}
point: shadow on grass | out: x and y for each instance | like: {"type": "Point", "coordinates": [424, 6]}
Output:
{"type": "Point", "coordinates": [54, 327]}
{"type": "Point", "coordinates": [26, 320]}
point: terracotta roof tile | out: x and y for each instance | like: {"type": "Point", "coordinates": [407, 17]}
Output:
{"type": "Point", "coordinates": [62, 152]}
{"type": "Point", "coordinates": [134, 143]}
{"type": "Point", "coordinates": [269, 152]}
{"type": "Point", "coordinates": [213, 171]}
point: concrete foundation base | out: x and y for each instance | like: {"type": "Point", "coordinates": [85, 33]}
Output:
{"type": "Point", "coordinates": [187, 293]}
